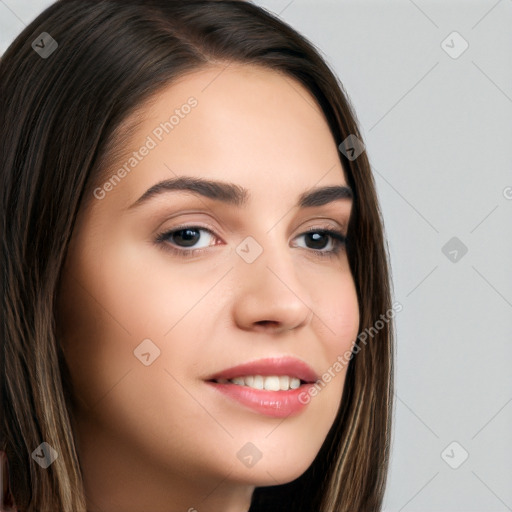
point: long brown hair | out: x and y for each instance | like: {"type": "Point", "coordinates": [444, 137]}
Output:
{"type": "Point", "coordinates": [61, 116]}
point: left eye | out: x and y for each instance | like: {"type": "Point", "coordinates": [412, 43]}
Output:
{"type": "Point", "coordinates": [320, 238]}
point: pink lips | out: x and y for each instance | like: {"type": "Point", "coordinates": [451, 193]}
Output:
{"type": "Point", "coordinates": [278, 404]}
{"type": "Point", "coordinates": [270, 366]}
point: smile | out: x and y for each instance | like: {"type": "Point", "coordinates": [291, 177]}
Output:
{"type": "Point", "coordinates": [270, 383]}
{"type": "Point", "coordinates": [271, 386]}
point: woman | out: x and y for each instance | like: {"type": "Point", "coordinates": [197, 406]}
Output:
{"type": "Point", "coordinates": [191, 242]}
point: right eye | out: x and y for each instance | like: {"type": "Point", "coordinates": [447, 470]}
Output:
{"type": "Point", "coordinates": [177, 239]}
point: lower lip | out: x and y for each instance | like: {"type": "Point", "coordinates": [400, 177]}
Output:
{"type": "Point", "coordinates": [278, 404]}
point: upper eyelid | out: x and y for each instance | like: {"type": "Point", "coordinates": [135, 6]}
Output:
{"type": "Point", "coordinates": [336, 224]}
{"type": "Point", "coordinates": [323, 224]}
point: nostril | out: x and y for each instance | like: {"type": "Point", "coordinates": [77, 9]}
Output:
{"type": "Point", "coordinates": [268, 323]}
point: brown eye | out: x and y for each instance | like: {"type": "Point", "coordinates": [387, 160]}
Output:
{"type": "Point", "coordinates": [186, 240]}
{"type": "Point", "coordinates": [185, 237]}
{"type": "Point", "coordinates": [319, 239]}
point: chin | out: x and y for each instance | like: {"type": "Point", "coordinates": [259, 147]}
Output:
{"type": "Point", "coordinates": [275, 467]}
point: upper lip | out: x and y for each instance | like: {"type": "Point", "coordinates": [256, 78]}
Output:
{"type": "Point", "coordinates": [290, 366]}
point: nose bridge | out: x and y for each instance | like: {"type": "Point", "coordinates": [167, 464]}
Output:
{"type": "Point", "coordinates": [268, 285]}
{"type": "Point", "coordinates": [266, 259]}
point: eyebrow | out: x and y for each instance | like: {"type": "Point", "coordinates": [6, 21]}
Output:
{"type": "Point", "coordinates": [236, 195]}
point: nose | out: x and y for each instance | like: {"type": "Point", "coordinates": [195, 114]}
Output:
{"type": "Point", "coordinates": [269, 295]}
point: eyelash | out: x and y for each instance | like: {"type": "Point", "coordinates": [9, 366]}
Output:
{"type": "Point", "coordinates": [338, 238]}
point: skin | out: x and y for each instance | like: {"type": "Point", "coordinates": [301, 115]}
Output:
{"type": "Point", "coordinates": [157, 437]}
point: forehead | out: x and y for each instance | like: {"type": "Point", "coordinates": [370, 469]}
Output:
{"type": "Point", "coordinates": [238, 123]}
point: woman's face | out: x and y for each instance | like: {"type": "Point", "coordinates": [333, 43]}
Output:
{"type": "Point", "coordinates": [148, 319]}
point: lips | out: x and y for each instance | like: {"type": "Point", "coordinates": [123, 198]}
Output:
{"type": "Point", "coordinates": [285, 366]}
{"type": "Point", "coordinates": [269, 402]}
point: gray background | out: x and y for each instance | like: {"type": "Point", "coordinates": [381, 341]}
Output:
{"type": "Point", "coordinates": [438, 134]}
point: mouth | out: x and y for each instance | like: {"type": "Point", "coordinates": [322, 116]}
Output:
{"type": "Point", "coordinates": [274, 387]}
{"type": "Point", "coordinates": [268, 383]}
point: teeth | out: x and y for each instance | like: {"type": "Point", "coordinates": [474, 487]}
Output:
{"type": "Point", "coordinates": [257, 383]}
{"type": "Point", "coordinates": [294, 383]}
{"type": "Point", "coordinates": [270, 383]}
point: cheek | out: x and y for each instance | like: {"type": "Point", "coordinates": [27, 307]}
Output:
{"type": "Point", "coordinates": [150, 290]}
{"type": "Point", "coordinates": [113, 299]}
{"type": "Point", "coordinates": [335, 323]}
{"type": "Point", "coordinates": [336, 308]}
